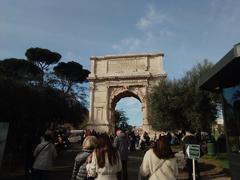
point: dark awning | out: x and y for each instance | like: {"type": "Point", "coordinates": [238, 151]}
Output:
{"type": "Point", "coordinates": [225, 73]}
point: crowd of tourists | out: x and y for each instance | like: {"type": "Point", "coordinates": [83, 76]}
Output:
{"type": "Point", "coordinates": [105, 156]}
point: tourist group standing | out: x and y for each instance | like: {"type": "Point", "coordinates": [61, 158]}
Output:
{"type": "Point", "coordinates": [104, 159]}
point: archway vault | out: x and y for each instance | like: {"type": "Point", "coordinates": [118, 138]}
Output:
{"type": "Point", "coordinates": [117, 97]}
{"type": "Point", "coordinates": [118, 76]}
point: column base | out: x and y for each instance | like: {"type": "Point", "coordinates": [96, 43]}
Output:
{"type": "Point", "coordinates": [102, 128]}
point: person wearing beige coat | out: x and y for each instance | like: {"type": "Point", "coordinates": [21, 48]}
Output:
{"type": "Point", "coordinates": [159, 162]}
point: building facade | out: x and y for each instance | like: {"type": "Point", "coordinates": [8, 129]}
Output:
{"type": "Point", "coordinates": [224, 78]}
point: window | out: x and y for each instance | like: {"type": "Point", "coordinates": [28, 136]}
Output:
{"type": "Point", "coordinates": [231, 102]}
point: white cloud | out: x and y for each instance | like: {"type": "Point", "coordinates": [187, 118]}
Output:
{"type": "Point", "coordinates": [150, 32]}
{"type": "Point", "coordinates": [128, 44]}
{"type": "Point", "coordinates": [151, 17]}
{"type": "Point", "coordinates": [132, 44]}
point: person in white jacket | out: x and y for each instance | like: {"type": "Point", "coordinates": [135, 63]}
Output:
{"type": "Point", "coordinates": [44, 154]}
{"type": "Point", "coordinates": [105, 162]}
{"type": "Point", "coordinates": [159, 162]}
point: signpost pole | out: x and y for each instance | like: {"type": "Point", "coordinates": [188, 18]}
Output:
{"type": "Point", "coordinates": [194, 173]}
{"type": "Point", "coordinates": [193, 152]}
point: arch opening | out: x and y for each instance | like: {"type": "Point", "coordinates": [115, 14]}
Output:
{"type": "Point", "coordinates": [132, 110]}
{"type": "Point", "coordinates": [126, 109]}
{"type": "Point", "coordinates": [121, 95]}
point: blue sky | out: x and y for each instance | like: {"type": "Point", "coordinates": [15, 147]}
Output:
{"type": "Point", "coordinates": [132, 107]}
{"type": "Point", "coordinates": [185, 31]}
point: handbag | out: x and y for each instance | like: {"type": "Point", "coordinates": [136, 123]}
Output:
{"type": "Point", "coordinates": [142, 178]}
{"type": "Point", "coordinates": [89, 175]}
{"type": "Point", "coordinates": [147, 177]}
{"type": "Point", "coordinates": [40, 151]}
{"type": "Point", "coordinates": [32, 171]}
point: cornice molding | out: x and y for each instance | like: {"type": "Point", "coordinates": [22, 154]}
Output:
{"type": "Point", "coordinates": [126, 56]}
{"type": "Point", "coordinates": [108, 78]}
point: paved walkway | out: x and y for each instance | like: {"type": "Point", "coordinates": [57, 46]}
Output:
{"type": "Point", "coordinates": [64, 164]}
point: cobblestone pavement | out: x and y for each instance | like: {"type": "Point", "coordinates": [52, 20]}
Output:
{"type": "Point", "coordinates": [64, 164]}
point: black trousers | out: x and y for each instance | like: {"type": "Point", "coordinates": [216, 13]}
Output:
{"type": "Point", "coordinates": [123, 175]}
{"type": "Point", "coordinates": [40, 174]}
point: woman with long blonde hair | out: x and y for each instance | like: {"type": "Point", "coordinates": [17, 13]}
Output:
{"type": "Point", "coordinates": [79, 169]}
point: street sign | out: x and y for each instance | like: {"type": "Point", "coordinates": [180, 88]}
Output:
{"type": "Point", "coordinates": [193, 151]}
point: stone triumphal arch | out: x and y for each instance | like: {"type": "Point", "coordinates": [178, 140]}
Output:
{"type": "Point", "coordinates": [117, 76]}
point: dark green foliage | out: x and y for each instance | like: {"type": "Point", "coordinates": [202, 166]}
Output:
{"type": "Point", "coordinates": [29, 104]}
{"type": "Point", "coordinates": [42, 57]}
{"type": "Point", "coordinates": [35, 105]}
{"type": "Point", "coordinates": [121, 121]}
{"type": "Point", "coordinates": [24, 99]}
{"type": "Point", "coordinates": [30, 110]}
{"type": "Point", "coordinates": [19, 69]}
{"type": "Point", "coordinates": [70, 73]}
{"type": "Point", "coordinates": [179, 104]}
{"type": "Point", "coordinates": [202, 105]}
{"type": "Point", "coordinates": [166, 106]}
